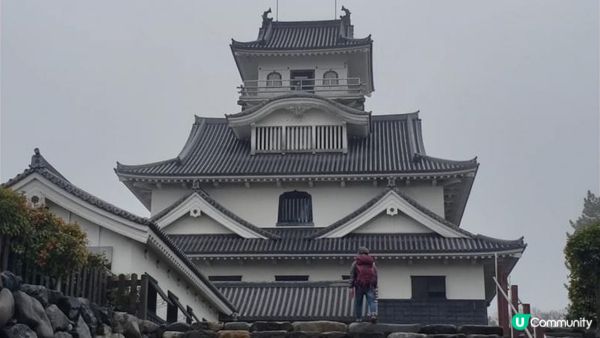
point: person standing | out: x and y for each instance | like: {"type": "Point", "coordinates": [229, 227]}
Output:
{"type": "Point", "coordinates": [363, 284]}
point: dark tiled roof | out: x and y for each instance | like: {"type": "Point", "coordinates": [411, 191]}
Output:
{"type": "Point", "coordinates": [217, 206]}
{"type": "Point", "coordinates": [289, 300]}
{"type": "Point", "coordinates": [306, 35]}
{"type": "Point", "coordinates": [299, 242]}
{"type": "Point", "coordinates": [394, 146]}
{"type": "Point", "coordinates": [42, 167]}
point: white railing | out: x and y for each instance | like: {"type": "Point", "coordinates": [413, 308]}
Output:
{"type": "Point", "coordinates": [326, 87]}
{"type": "Point", "coordinates": [315, 138]}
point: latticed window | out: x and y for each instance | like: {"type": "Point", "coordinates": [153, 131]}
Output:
{"type": "Point", "coordinates": [330, 78]}
{"type": "Point", "coordinates": [274, 79]}
{"type": "Point", "coordinates": [295, 208]}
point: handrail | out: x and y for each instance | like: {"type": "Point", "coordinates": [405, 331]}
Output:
{"type": "Point", "coordinates": [499, 287]}
{"type": "Point", "coordinates": [256, 87]}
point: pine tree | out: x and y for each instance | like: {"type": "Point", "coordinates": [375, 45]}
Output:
{"type": "Point", "coordinates": [591, 212]}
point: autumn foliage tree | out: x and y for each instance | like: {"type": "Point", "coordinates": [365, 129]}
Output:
{"type": "Point", "coordinates": [40, 238]}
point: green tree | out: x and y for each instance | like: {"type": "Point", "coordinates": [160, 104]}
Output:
{"type": "Point", "coordinates": [14, 223]}
{"type": "Point", "coordinates": [583, 261]}
{"type": "Point", "coordinates": [590, 213]}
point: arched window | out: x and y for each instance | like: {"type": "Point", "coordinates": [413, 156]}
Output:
{"type": "Point", "coordinates": [330, 78]}
{"type": "Point", "coordinates": [274, 79]}
{"type": "Point", "coordinates": [295, 208]}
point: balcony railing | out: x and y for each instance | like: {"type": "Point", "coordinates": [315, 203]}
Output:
{"type": "Point", "coordinates": [253, 89]}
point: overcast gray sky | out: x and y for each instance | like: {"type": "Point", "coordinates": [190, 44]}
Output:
{"type": "Point", "coordinates": [512, 82]}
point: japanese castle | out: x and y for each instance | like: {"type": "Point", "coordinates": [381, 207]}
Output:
{"type": "Point", "coordinates": [267, 206]}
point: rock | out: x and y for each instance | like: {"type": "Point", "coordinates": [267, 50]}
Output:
{"type": "Point", "coordinates": [233, 334]}
{"type": "Point", "coordinates": [447, 335]}
{"type": "Point", "coordinates": [480, 329]}
{"type": "Point", "coordinates": [63, 335]}
{"type": "Point", "coordinates": [10, 281]}
{"type": "Point", "coordinates": [117, 335]}
{"type": "Point", "coordinates": [439, 329]}
{"type": "Point", "coordinates": [386, 329]}
{"type": "Point", "coordinates": [200, 334]}
{"type": "Point", "coordinates": [147, 326]}
{"type": "Point", "coordinates": [54, 296]}
{"type": "Point", "coordinates": [131, 329]}
{"type": "Point", "coordinates": [81, 329]}
{"type": "Point", "coordinates": [103, 330]}
{"type": "Point", "coordinates": [271, 326]}
{"type": "Point", "coordinates": [70, 306]}
{"type": "Point", "coordinates": [38, 292]}
{"type": "Point", "coordinates": [58, 319]}
{"type": "Point", "coordinates": [334, 334]}
{"type": "Point", "coordinates": [20, 331]}
{"type": "Point", "coordinates": [88, 314]}
{"type": "Point", "coordinates": [237, 326]}
{"type": "Point", "coordinates": [319, 326]}
{"type": "Point", "coordinates": [367, 335]}
{"type": "Point", "coordinates": [30, 311]}
{"type": "Point", "coordinates": [407, 335]}
{"type": "Point", "coordinates": [103, 314]}
{"type": "Point", "coordinates": [303, 334]}
{"type": "Point", "coordinates": [7, 306]}
{"type": "Point", "coordinates": [483, 336]}
{"type": "Point", "coordinates": [172, 334]}
{"type": "Point", "coordinates": [178, 327]}
{"type": "Point", "coordinates": [269, 334]}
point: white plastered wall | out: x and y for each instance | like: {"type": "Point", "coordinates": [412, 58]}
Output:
{"type": "Point", "coordinates": [464, 280]}
{"type": "Point", "coordinates": [386, 224]}
{"type": "Point", "coordinates": [320, 64]}
{"type": "Point", "coordinates": [130, 256]}
{"type": "Point", "coordinates": [258, 204]}
{"type": "Point", "coordinates": [193, 225]}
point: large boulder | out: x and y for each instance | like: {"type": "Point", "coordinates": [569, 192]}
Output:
{"type": "Point", "coordinates": [237, 326]}
{"type": "Point", "coordinates": [10, 281]}
{"type": "Point", "coordinates": [172, 334]}
{"type": "Point", "coordinates": [69, 306]}
{"type": "Point", "coordinates": [303, 334]}
{"type": "Point", "coordinates": [200, 334]}
{"type": "Point", "coordinates": [480, 329]}
{"type": "Point", "coordinates": [58, 320]}
{"type": "Point", "coordinates": [19, 331]}
{"type": "Point", "coordinates": [147, 326]}
{"type": "Point", "coordinates": [367, 335]}
{"type": "Point", "coordinates": [31, 312]}
{"type": "Point", "coordinates": [81, 329]}
{"type": "Point", "coordinates": [233, 334]}
{"type": "Point", "coordinates": [7, 306]}
{"type": "Point", "coordinates": [126, 324]}
{"type": "Point", "coordinates": [439, 329]}
{"type": "Point", "coordinates": [38, 292]}
{"type": "Point", "coordinates": [386, 329]}
{"type": "Point", "coordinates": [269, 334]}
{"type": "Point", "coordinates": [178, 327]}
{"type": "Point", "coordinates": [88, 314]}
{"type": "Point", "coordinates": [54, 296]}
{"type": "Point", "coordinates": [61, 334]}
{"type": "Point", "coordinates": [319, 326]}
{"type": "Point", "coordinates": [103, 330]}
{"type": "Point", "coordinates": [407, 335]}
{"type": "Point", "coordinates": [334, 334]}
{"type": "Point", "coordinates": [103, 314]}
{"type": "Point", "coordinates": [271, 326]}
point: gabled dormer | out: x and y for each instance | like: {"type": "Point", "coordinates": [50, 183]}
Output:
{"type": "Point", "coordinates": [316, 57]}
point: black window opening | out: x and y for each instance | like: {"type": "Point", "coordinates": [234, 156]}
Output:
{"type": "Point", "coordinates": [274, 79]}
{"type": "Point", "coordinates": [295, 208]}
{"type": "Point", "coordinates": [428, 287]}
{"type": "Point", "coordinates": [303, 80]}
{"type": "Point", "coordinates": [291, 278]}
{"type": "Point", "coordinates": [345, 277]}
{"type": "Point", "coordinates": [225, 278]}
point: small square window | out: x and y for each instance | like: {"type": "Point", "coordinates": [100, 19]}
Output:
{"type": "Point", "coordinates": [428, 287]}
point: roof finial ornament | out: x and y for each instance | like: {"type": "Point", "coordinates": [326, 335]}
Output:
{"type": "Point", "coordinates": [346, 13]}
{"type": "Point", "coordinates": [265, 16]}
{"type": "Point", "coordinates": [36, 161]}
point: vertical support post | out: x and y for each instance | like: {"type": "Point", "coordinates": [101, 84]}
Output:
{"type": "Point", "coordinates": [503, 319]}
{"type": "Point", "coordinates": [514, 299]}
{"type": "Point", "coordinates": [133, 294]}
{"type": "Point", "coordinates": [313, 138]}
{"type": "Point", "coordinates": [190, 313]}
{"type": "Point", "coordinates": [142, 306]}
{"type": "Point", "coordinates": [527, 310]}
{"type": "Point", "coordinates": [152, 294]}
{"type": "Point", "coordinates": [171, 312]}
{"type": "Point", "coordinates": [344, 138]}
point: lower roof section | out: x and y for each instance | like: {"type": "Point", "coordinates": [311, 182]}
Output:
{"type": "Point", "coordinates": [289, 300]}
{"type": "Point", "coordinates": [299, 242]}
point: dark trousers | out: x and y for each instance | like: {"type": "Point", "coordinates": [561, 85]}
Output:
{"type": "Point", "coordinates": [359, 294]}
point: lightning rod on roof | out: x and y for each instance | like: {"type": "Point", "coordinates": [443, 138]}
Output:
{"type": "Point", "coordinates": [276, 10]}
{"type": "Point", "coordinates": [334, 9]}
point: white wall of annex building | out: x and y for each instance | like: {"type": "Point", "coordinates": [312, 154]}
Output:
{"type": "Point", "coordinates": [258, 204]}
{"type": "Point", "coordinates": [463, 280]}
{"type": "Point", "coordinates": [130, 256]}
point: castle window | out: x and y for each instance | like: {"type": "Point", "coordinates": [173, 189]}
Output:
{"type": "Point", "coordinates": [274, 79]}
{"type": "Point", "coordinates": [299, 138]}
{"type": "Point", "coordinates": [225, 278]}
{"type": "Point", "coordinates": [428, 287]}
{"type": "Point", "coordinates": [330, 78]}
{"type": "Point", "coordinates": [295, 208]}
{"type": "Point", "coordinates": [291, 278]}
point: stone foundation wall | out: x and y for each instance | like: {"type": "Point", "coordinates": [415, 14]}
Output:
{"type": "Point", "coordinates": [449, 311]}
